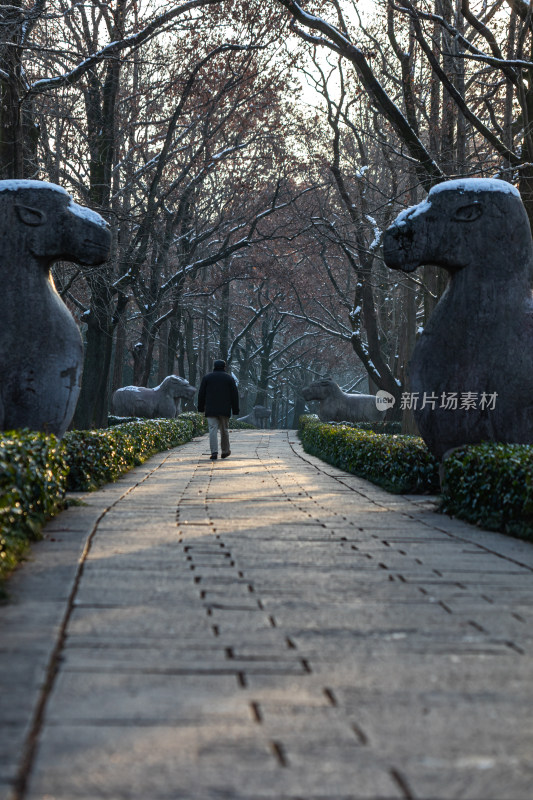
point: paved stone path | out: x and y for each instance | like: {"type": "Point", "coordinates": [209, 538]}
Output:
{"type": "Point", "coordinates": [299, 633]}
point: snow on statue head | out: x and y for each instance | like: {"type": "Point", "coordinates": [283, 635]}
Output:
{"type": "Point", "coordinates": [40, 345]}
{"type": "Point", "coordinates": [471, 373]}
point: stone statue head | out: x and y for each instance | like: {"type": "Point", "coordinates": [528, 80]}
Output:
{"type": "Point", "coordinates": [178, 387]}
{"type": "Point", "coordinates": [319, 390]}
{"type": "Point", "coordinates": [43, 220]}
{"type": "Point", "coordinates": [475, 222]}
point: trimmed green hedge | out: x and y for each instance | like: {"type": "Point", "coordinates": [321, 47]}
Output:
{"type": "Point", "coordinates": [101, 456]}
{"type": "Point", "coordinates": [491, 485]}
{"type": "Point", "coordinates": [33, 478]}
{"type": "Point", "coordinates": [374, 427]}
{"type": "Point", "coordinates": [234, 424]}
{"type": "Point", "coordinates": [36, 470]}
{"type": "Point", "coordinates": [400, 464]}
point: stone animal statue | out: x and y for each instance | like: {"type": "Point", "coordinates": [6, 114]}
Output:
{"type": "Point", "coordinates": [338, 406]}
{"type": "Point", "coordinates": [478, 343]}
{"type": "Point", "coordinates": [257, 417]}
{"type": "Point", "coordinates": [41, 352]}
{"type": "Point", "coordinates": [162, 401]}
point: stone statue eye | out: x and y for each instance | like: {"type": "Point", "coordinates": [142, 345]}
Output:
{"type": "Point", "coordinates": [468, 213]}
{"type": "Point", "coordinates": [30, 216]}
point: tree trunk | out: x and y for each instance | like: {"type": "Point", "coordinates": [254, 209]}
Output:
{"type": "Point", "coordinates": [268, 335]}
{"type": "Point", "coordinates": [449, 109]}
{"type": "Point", "coordinates": [224, 321]}
{"type": "Point", "coordinates": [435, 94]}
{"type": "Point", "coordinates": [11, 90]}
{"type": "Point", "coordinates": [162, 353]}
{"type": "Point", "coordinates": [91, 410]}
{"type": "Point", "coordinates": [192, 352]}
{"type": "Point", "coordinates": [100, 108]}
{"type": "Point", "coordinates": [460, 156]}
{"type": "Point", "coordinates": [274, 414]}
{"type": "Point", "coordinates": [261, 395]}
{"type": "Point", "coordinates": [244, 372]}
{"type": "Point", "coordinates": [509, 90]}
{"type": "Point", "coordinates": [526, 174]}
{"type": "Point", "coordinates": [148, 360]}
{"type": "Point", "coordinates": [120, 353]}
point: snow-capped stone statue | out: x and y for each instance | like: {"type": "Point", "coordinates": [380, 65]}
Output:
{"type": "Point", "coordinates": [161, 402]}
{"type": "Point", "coordinates": [257, 417]}
{"type": "Point", "coordinates": [41, 352]}
{"type": "Point", "coordinates": [471, 373]}
{"type": "Point", "coordinates": [338, 406]}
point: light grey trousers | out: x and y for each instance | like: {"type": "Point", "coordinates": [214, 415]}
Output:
{"type": "Point", "coordinates": [215, 425]}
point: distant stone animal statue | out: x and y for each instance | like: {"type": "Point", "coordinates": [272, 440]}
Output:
{"type": "Point", "coordinates": [474, 360]}
{"type": "Point", "coordinates": [257, 417]}
{"type": "Point", "coordinates": [162, 401]}
{"type": "Point", "coordinates": [338, 406]}
{"type": "Point", "coordinates": [41, 352]}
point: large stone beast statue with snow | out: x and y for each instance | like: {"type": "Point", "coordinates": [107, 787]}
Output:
{"type": "Point", "coordinates": [472, 367]}
{"type": "Point", "coordinates": [40, 344]}
{"type": "Point", "coordinates": [338, 406]}
{"type": "Point", "coordinates": [162, 401]}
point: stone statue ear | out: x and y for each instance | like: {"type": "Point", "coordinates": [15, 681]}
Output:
{"type": "Point", "coordinates": [30, 216]}
{"type": "Point", "coordinates": [468, 213]}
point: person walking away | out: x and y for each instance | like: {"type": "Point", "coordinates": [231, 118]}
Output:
{"type": "Point", "coordinates": [218, 397]}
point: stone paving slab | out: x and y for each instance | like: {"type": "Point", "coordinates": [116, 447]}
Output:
{"type": "Point", "coordinates": [266, 628]}
{"type": "Point", "coordinates": [200, 761]}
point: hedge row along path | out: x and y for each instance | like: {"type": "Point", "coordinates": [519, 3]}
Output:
{"type": "Point", "coordinates": [295, 633]}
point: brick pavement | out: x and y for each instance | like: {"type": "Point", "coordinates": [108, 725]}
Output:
{"type": "Point", "coordinates": [297, 634]}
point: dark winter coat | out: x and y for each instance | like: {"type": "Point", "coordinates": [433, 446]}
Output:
{"type": "Point", "coordinates": [218, 395]}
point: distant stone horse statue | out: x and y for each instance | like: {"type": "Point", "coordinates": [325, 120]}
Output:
{"type": "Point", "coordinates": [162, 401]}
{"type": "Point", "coordinates": [41, 352]}
{"type": "Point", "coordinates": [258, 417]}
{"type": "Point", "coordinates": [338, 406]}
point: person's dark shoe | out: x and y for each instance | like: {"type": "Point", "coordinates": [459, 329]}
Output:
{"type": "Point", "coordinates": [225, 455]}
{"type": "Point", "coordinates": [214, 456]}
